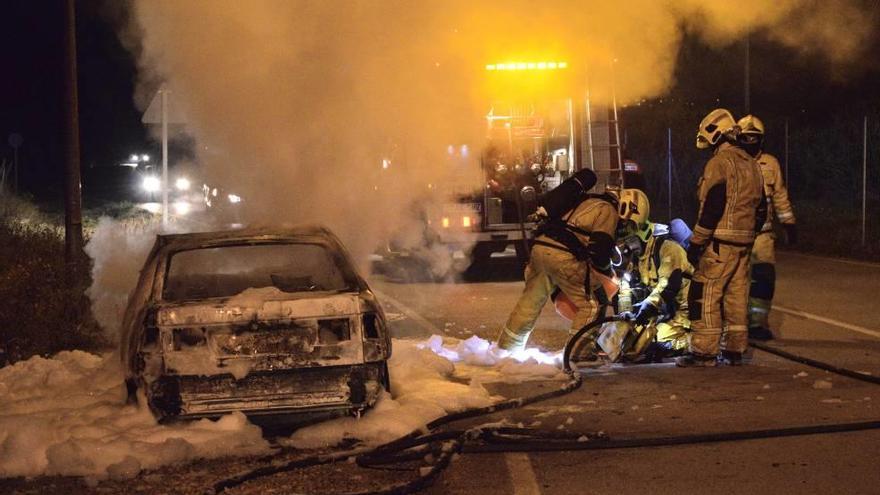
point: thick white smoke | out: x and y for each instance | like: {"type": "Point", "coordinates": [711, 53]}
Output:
{"type": "Point", "coordinates": [295, 103]}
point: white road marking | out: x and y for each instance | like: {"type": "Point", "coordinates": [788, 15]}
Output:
{"type": "Point", "coordinates": [827, 258]}
{"type": "Point", "coordinates": [410, 313]}
{"type": "Point", "coordinates": [522, 476]}
{"type": "Point", "coordinates": [830, 321]}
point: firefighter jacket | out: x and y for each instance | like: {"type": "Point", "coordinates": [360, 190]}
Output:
{"type": "Point", "coordinates": [774, 189]}
{"type": "Point", "coordinates": [587, 232]}
{"type": "Point", "coordinates": [731, 193]}
{"type": "Point", "coordinates": [665, 270]}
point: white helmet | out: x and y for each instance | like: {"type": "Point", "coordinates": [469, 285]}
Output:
{"type": "Point", "coordinates": [714, 125]}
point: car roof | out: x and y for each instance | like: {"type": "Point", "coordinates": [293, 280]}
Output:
{"type": "Point", "coordinates": [312, 233]}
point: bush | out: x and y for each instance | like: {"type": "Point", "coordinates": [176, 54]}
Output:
{"type": "Point", "coordinates": [40, 312]}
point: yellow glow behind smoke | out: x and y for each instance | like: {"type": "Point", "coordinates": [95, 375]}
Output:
{"type": "Point", "coordinates": [295, 102]}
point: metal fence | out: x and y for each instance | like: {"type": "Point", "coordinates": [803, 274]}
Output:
{"type": "Point", "coordinates": [832, 170]}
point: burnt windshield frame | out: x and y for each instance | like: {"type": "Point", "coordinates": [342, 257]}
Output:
{"type": "Point", "coordinates": [349, 275]}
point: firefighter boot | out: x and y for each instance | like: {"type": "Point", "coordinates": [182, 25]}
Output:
{"type": "Point", "coordinates": [730, 358]}
{"type": "Point", "coordinates": [691, 360]}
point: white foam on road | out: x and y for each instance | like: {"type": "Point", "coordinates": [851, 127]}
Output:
{"type": "Point", "coordinates": [68, 416]}
{"type": "Point", "coordinates": [429, 379]}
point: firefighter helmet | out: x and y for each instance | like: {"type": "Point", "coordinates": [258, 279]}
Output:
{"type": "Point", "coordinates": [751, 125]}
{"type": "Point", "coordinates": [713, 126]}
{"type": "Point", "coordinates": [751, 134]}
{"type": "Point", "coordinates": [634, 206]}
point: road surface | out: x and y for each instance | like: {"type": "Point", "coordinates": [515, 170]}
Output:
{"type": "Point", "coordinates": [826, 310]}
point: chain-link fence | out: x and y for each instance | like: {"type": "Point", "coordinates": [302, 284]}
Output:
{"type": "Point", "coordinates": [832, 170]}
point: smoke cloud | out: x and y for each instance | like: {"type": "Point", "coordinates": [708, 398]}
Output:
{"type": "Point", "coordinates": [294, 104]}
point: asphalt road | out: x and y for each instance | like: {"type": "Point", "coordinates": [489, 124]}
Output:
{"type": "Point", "coordinates": [827, 312]}
{"type": "Point", "coordinates": [829, 315]}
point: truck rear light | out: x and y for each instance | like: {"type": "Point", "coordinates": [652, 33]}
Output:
{"type": "Point", "coordinates": [445, 222]}
{"type": "Point", "coordinates": [466, 221]}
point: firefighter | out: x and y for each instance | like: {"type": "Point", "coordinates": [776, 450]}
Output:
{"type": "Point", "coordinates": [731, 196]}
{"type": "Point", "coordinates": [763, 253]}
{"type": "Point", "coordinates": [573, 253]}
{"type": "Point", "coordinates": [664, 269]}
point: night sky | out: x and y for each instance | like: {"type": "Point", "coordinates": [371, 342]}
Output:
{"type": "Point", "coordinates": [785, 85]}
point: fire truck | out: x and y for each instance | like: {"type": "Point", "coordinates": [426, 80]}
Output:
{"type": "Point", "coordinates": [534, 139]}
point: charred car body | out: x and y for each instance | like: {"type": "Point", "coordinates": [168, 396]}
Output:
{"type": "Point", "coordinates": [267, 322]}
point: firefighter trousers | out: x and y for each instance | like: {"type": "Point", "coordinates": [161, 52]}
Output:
{"type": "Point", "coordinates": [718, 300]}
{"type": "Point", "coordinates": [548, 268]}
{"type": "Point", "coordinates": [763, 280]}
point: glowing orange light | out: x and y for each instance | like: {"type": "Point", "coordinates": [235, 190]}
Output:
{"type": "Point", "coordinates": [445, 222]}
{"type": "Point", "coordinates": [465, 222]}
{"type": "Point", "coordinates": [541, 65]}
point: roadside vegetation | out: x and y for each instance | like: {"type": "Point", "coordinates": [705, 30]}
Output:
{"type": "Point", "coordinates": [42, 309]}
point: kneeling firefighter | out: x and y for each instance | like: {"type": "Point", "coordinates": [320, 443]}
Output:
{"type": "Point", "coordinates": [657, 268]}
{"type": "Point", "coordinates": [576, 239]}
{"type": "Point", "coordinates": [662, 267]}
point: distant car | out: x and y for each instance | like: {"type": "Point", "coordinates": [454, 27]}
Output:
{"type": "Point", "coordinates": [267, 322]}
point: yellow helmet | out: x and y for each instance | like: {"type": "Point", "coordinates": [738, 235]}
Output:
{"type": "Point", "coordinates": [713, 126]}
{"type": "Point", "coordinates": [751, 125]}
{"type": "Point", "coordinates": [634, 206]}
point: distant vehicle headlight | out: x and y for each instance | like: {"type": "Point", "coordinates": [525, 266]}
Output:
{"type": "Point", "coordinates": [182, 184]}
{"type": "Point", "coordinates": [152, 184]}
{"type": "Point", "coordinates": [234, 198]}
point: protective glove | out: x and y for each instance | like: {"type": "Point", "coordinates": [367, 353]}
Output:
{"type": "Point", "coordinates": [646, 312]}
{"type": "Point", "coordinates": [694, 252]}
{"type": "Point", "coordinates": [790, 234]}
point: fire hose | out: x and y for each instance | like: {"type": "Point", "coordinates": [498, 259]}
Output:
{"type": "Point", "coordinates": [438, 448]}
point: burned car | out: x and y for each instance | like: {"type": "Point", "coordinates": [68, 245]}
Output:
{"type": "Point", "coordinates": [267, 322]}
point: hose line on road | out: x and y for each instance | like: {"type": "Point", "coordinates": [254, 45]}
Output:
{"type": "Point", "coordinates": [816, 364]}
{"type": "Point", "coordinates": [436, 449]}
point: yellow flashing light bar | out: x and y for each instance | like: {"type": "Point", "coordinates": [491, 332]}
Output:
{"type": "Point", "coordinates": [528, 66]}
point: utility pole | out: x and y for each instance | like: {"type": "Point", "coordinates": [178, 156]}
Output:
{"type": "Point", "coordinates": [747, 76]}
{"type": "Point", "coordinates": [73, 234]}
{"type": "Point", "coordinates": [864, 177]}
{"type": "Point", "coordinates": [164, 95]}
